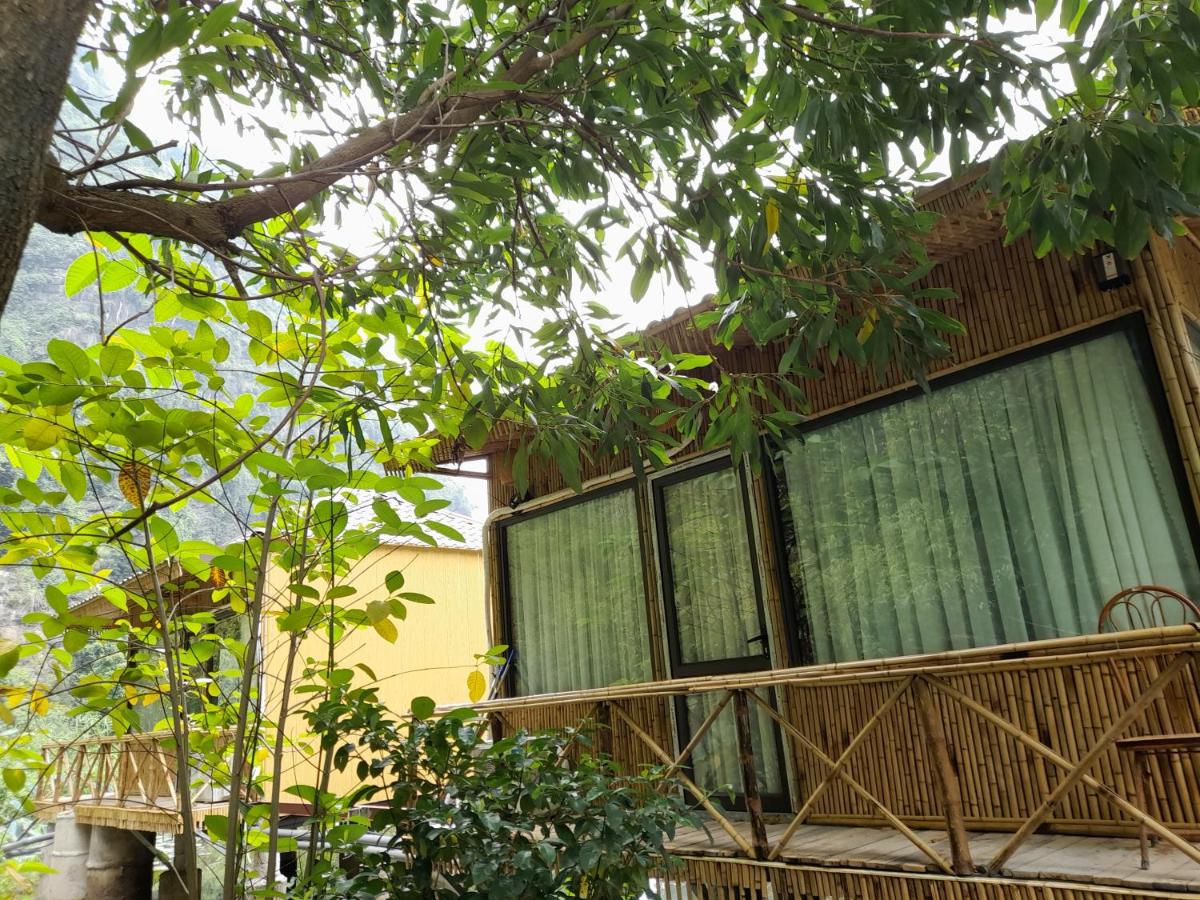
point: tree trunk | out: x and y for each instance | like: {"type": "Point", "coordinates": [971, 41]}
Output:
{"type": "Point", "coordinates": [37, 44]}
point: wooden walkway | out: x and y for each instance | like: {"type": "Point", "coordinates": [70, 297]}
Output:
{"type": "Point", "coordinates": [1109, 862]}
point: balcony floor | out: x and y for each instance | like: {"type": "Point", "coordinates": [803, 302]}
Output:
{"type": "Point", "coordinates": [1105, 861]}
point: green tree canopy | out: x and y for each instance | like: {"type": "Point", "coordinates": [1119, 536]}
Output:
{"type": "Point", "coordinates": [500, 147]}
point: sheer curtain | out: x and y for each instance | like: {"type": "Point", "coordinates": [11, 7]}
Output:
{"type": "Point", "coordinates": [576, 597]}
{"type": "Point", "coordinates": [717, 612]}
{"type": "Point", "coordinates": [1004, 508]}
{"type": "Point", "coordinates": [712, 574]}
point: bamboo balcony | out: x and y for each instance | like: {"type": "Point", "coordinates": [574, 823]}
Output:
{"type": "Point", "coordinates": [982, 773]}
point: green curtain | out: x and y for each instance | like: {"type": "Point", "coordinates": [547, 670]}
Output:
{"type": "Point", "coordinates": [712, 575]}
{"type": "Point", "coordinates": [576, 597]}
{"type": "Point", "coordinates": [716, 607]}
{"type": "Point", "coordinates": [1005, 508]}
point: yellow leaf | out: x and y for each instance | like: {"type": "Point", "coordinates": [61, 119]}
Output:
{"type": "Point", "coordinates": [476, 686]}
{"type": "Point", "coordinates": [6, 715]}
{"type": "Point", "coordinates": [387, 630]}
{"type": "Point", "coordinates": [771, 215]}
{"type": "Point", "coordinates": [134, 481]}
{"type": "Point", "coordinates": [868, 325]}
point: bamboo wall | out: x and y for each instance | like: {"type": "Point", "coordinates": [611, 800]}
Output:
{"type": "Point", "coordinates": [1007, 299]}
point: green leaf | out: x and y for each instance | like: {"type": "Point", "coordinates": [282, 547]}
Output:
{"type": "Point", "coordinates": [71, 359]}
{"type": "Point", "coordinates": [115, 359]}
{"type": "Point", "coordinates": [82, 272]}
{"type": "Point", "coordinates": [41, 434]}
{"type": "Point", "coordinates": [423, 707]}
{"type": "Point", "coordinates": [641, 278]}
{"type": "Point", "coordinates": [217, 21]}
{"type": "Point", "coordinates": [217, 827]}
{"type": "Point", "coordinates": [14, 779]}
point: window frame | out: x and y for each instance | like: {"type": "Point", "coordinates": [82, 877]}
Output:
{"type": "Point", "coordinates": [504, 582]}
{"type": "Point", "coordinates": [679, 668]}
{"type": "Point", "coordinates": [1132, 324]}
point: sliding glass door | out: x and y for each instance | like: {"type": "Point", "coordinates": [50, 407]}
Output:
{"type": "Point", "coordinates": [714, 613]}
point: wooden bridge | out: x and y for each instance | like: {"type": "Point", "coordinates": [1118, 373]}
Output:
{"type": "Point", "coordinates": [124, 782]}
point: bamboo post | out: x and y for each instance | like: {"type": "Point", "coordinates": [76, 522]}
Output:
{"type": "Point", "coordinates": [604, 732]}
{"type": "Point", "coordinates": [950, 790]}
{"type": "Point", "coordinates": [745, 741]}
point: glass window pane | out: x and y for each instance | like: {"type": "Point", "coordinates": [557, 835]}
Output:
{"type": "Point", "coordinates": [1004, 508]}
{"type": "Point", "coordinates": [576, 597]}
{"type": "Point", "coordinates": [712, 574]}
{"type": "Point", "coordinates": [715, 758]}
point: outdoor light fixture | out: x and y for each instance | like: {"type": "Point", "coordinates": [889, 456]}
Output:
{"type": "Point", "coordinates": [1111, 269]}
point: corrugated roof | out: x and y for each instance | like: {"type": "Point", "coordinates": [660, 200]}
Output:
{"type": "Point", "coordinates": [362, 516]}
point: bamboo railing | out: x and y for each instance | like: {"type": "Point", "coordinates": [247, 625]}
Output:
{"type": "Point", "coordinates": [121, 782]}
{"type": "Point", "coordinates": [1013, 739]}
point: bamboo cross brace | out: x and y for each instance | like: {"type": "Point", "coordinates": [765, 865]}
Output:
{"type": "Point", "coordinates": [1114, 731]}
{"type": "Point", "coordinates": [688, 783]}
{"type": "Point", "coordinates": [858, 788]}
{"type": "Point", "coordinates": [561, 758]}
{"type": "Point", "coordinates": [77, 776]}
{"type": "Point", "coordinates": [137, 774]}
{"type": "Point", "coordinates": [91, 775]}
{"type": "Point", "coordinates": [840, 764]}
{"type": "Point", "coordinates": [708, 722]}
{"type": "Point", "coordinates": [1102, 790]}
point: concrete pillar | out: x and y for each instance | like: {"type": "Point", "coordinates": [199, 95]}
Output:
{"type": "Point", "coordinates": [120, 865]}
{"type": "Point", "coordinates": [67, 856]}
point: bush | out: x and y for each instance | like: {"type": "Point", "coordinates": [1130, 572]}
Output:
{"type": "Point", "coordinates": [466, 818]}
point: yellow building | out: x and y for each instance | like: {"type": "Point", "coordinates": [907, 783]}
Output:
{"type": "Point", "coordinates": [433, 653]}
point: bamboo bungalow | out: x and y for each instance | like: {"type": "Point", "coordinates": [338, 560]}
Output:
{"type": "Point", "coordinates": [890, 645]}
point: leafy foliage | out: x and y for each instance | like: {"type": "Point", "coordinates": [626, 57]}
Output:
{"type": "Point", "coordinates": [467, 818]}
{"type": "Point", "coordinates": [509, 154]}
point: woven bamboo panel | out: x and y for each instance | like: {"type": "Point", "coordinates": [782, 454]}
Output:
{"type": "Point", "coordinates": [652, 715]}
{"type": "Point", "coordinates": [1007, 299]}
{"type": "Point", "coordinates": [723, 879]}
{"type": "Point", "coordinates": [1065, 705]}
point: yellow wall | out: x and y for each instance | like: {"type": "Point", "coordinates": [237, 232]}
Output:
{"type": "Point", "coordinates": [432, 656]}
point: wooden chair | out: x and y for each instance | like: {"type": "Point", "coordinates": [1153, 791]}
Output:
{"type": "Point", "coordinates": [1147, 606]}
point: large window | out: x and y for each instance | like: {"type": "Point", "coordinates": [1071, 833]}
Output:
{"type": "Point", "coordinates": [576, 597]}
{"type": "Point", "coordinates": [1007, 507]}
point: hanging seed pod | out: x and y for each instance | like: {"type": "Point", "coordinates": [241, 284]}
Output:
{"type": "Point", "coordinates": [134, 481]}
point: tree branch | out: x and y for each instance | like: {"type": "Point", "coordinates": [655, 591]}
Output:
{"type": "Point", "coordinates": [67, 208]}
